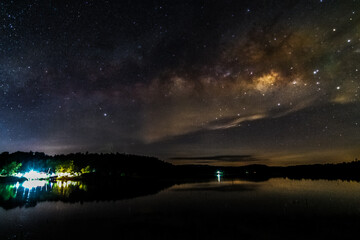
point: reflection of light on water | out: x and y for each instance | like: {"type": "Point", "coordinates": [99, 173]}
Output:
{"type": "Point", "coordinates": [65, 188]}
{"type": "Point", "coordinates": [218, 175]}
{"type": "Point", "coordinates": [65, 184]}
{"type": "Point", "coordinates": [29, 185]}
{"type": "Point", "coordinates": [33, 184]}
{"type": "Point", "coordinates": [43, 183]}
{"type": "Point", "coordinates": [34, 189]}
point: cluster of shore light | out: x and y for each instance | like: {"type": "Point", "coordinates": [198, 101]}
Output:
{"type": "Point", "coordinates": [37, 179]}
{"type": "Point", "coordinates": [33, 184]}
{"type": "Point", "coordinates": [34, 175]}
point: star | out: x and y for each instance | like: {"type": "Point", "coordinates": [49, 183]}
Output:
{"type": "Point", "coordinates": [170, 80]}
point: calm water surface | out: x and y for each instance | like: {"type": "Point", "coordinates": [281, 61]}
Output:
{"type": "Point", "coordinates": [231, 209]}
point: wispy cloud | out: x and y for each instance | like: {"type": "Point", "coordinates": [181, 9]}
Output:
{"type": "Point", "coordinates": [222, 158]}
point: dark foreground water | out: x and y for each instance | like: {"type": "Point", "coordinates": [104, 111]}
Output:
{"type": "Point", "coordinates": [234, 209]}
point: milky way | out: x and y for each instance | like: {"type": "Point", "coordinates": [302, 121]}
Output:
{"type": "Point", "coordinates": [274, 81]}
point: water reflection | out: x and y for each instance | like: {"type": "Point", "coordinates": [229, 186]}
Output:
{"type": "Point", "coordinates": [223, 186]}
{"type": "Point", "coordinates": [231, 209]}
{"type": "Point", "coordinates": [29, 193]}
{"type": "Point", "coordinates": [31, 184]}
{"type": "Point", "coordinates": [38, 189]}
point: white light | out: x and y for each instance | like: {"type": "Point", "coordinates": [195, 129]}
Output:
{"type": "Point", "coordinates": [35, 175]}
{"type": "Point", "coordinates": [349, 40]}
{"type": "Point", "coordinates": [65, 184]}
{"type": "Point", "coordinates": [64, 174]}
{"type": "Point", "coordinates": [18, 175]}
{"type": "Point", "coordinates": [34, 184]}
{"type": "Point", "coordinates": [338, 87]}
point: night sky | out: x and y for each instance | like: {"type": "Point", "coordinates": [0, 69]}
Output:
{"type": "Point", "coordinates": [213, 82]}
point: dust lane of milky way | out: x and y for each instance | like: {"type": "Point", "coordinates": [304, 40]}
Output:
{"type": "Point", "coordinates": [277, 81]}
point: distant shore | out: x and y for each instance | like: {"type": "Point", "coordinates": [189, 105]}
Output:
{"type": "Point", "coordinates": [96, 167]}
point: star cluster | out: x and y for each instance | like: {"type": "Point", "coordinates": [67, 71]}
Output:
{"type": "Point", "coordinates": [274, 80]}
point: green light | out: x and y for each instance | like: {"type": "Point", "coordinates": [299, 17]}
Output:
{"type": "Point", "coordinates": [219, 173]}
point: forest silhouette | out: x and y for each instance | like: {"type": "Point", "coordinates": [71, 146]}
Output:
{"type": "Point", "coordinates": [98, 166]}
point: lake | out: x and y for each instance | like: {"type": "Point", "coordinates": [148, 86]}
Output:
{"type": "Point", "coordinates": [229, 209]}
